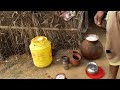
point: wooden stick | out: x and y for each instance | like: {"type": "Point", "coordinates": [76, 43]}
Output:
{"type": "Point", "coordinates": [36, 28]}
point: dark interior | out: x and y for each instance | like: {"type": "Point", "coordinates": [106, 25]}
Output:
{"type": "Point", "coordinates": [91, 15]}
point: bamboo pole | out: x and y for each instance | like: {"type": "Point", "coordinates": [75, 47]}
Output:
{"type": "Point", "coordinates": [36, 28]}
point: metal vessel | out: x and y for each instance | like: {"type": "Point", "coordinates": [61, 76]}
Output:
{"type": "Point", "coordinates": [92, 68]}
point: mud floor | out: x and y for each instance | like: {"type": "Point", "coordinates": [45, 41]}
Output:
{"type": "Point", "coordinates": [22, 67]}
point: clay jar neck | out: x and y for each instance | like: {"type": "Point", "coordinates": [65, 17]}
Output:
{"type": "Point", "coordinates": [76, 56]}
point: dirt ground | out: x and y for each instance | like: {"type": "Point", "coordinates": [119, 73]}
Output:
{"type": "Point", "coordinates": [22, 67]}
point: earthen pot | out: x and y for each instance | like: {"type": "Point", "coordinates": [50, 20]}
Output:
{"type": "Point", "coordinates": [91, 47]}
{"type": "Point", "coordinates": [75, 60]}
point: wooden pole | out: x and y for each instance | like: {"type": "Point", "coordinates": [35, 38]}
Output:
{"type": "Point", "coordinates": [36, 28]}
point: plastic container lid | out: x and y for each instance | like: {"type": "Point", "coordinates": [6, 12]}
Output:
{"type": "Point", "coordinates": [39, 39]}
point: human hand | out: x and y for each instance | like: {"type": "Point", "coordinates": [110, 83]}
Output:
{"type": "Point", "coordinates": [61, 13]}
{"type": "Point", "coordinates": [98, 18]}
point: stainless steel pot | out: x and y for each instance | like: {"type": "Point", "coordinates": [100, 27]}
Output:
{"type": "Point", "coordinates": [60, 76]}
{"type": "Point", "coordinates": [92, 68]}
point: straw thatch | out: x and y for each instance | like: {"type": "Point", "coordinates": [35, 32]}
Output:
{"type": "Point", "coordinates": [17, 28]}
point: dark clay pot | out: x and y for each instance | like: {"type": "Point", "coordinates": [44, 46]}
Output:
{"type": "Point", "coordinates": [75, 60]}
{"type": "Point", "coordinates": [91, 49]}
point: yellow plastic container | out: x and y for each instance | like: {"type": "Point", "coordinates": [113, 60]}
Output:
{"type": "Point", "coordinates": [41, 51]}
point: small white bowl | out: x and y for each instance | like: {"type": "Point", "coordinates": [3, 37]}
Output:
{"type": "Point", "coordinates": [92, 37]}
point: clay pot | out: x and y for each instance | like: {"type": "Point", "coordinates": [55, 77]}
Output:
{"type": "Point", "coordinates": [91, 49]}
{"type": "Point", "coordinates": [75, 60]}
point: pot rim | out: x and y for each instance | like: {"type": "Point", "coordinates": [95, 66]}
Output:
{"type": "Point", "coordinates": [92, 63]}
{"type": "Point", "coordinates": [77, 55]}
{"type": "Point", "coordinates": [92, 35]}
{"type": "Point", "coordinates": [64, 56]}
{"type": "Point", "coordinates": [75, 51]}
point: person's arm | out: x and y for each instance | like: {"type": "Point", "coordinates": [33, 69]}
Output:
{"type": "Point", "coordinates": [99, 17]}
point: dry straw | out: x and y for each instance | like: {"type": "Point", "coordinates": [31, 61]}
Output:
{"type": "Point", "coordinates": [17, 28]}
